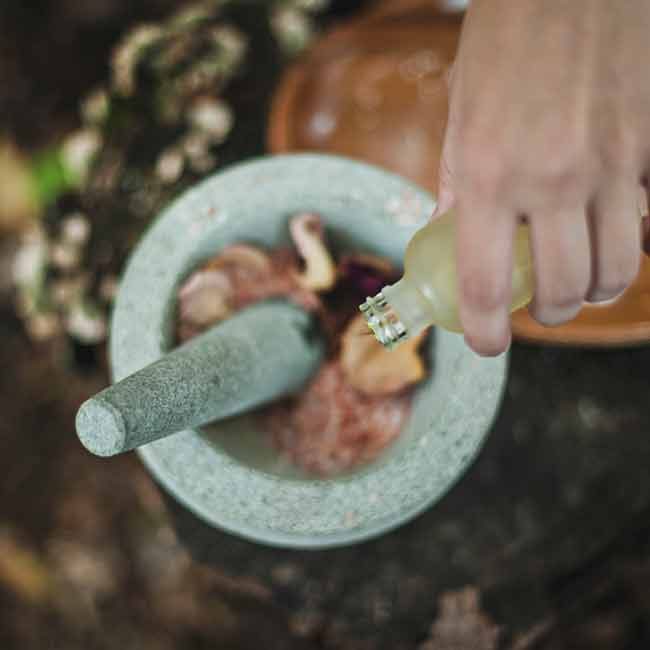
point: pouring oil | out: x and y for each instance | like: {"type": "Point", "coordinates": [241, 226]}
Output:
{"type": "Point", "coordinates": [427, 293]}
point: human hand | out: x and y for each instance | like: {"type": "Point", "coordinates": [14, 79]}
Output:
{"type": "Point", "coordinates": [549, 121]}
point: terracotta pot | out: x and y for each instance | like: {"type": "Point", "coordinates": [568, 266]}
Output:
{"type": "Point", "coordinates": [374, 89]}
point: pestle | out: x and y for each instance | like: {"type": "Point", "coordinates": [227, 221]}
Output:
{"type": "Point", "coordinates": [262, 353]}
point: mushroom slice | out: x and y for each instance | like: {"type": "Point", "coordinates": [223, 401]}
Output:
{"type": "Point", "coordinates": [374, 370]}
{"type": "Point", "coordinates": [308, 236]}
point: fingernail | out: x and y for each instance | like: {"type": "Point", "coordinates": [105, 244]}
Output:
{"type": "Point", "coordinates": [553, 316]}
{"type": "Point", "coordinates": [599, 298]}
{"type": "Point", "coordinates": [495, 336]}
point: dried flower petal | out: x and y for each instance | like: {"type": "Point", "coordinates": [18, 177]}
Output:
{"type": "Point", "coordinates": [211, 116]}
{"type": "Point", "coordinates": [43, 326]}
{"type": "Point", "coordinates": [331, 427]}
{"type": "Point", "coordinates": [372, 369]}
{"type": "Point", "coordinates": [69, 290]}
{"type": "Point", "coordinates": [196, 144]}
{"type": "Point", "coordinates": [186, 17]}
{"type": "Point", "coordinates": [90, 570]}
{"type": "Point", "coordinates": [108, 287]}
{"type": "Point", "coordinates": [292, 27]}
{"type": "Point", "coordinates": [75, 229]}
{"type": "Point", "coordinates": [238, 277]}
{"type": "Point", "coordinates": [86, 322]}
{"type": "Point", "coordinates": [78, 151]}
{"type": "Point", "coordinates": [31, 260]}
{"type": "Point", "coordinates": [232, 43]}
{"type": "Point", "coordinates": [127, 53]}
{"type": "Point", "coordinates": [311, 5]}
{"type": "Point", "coordinates": [244, 257]}
{"type": "Point", "coordinates": [461, 623]}
{"type": "Point", "coordinates": [366, 274]}
{"type": "Point", "coordinates": [278, 281]}
{"type": "Point", "coordinates": [205, 298]}
{"type": "Point", "coordinates": [169, 165]}
{"type": "Point", "coordinates": [95, 107]}
{"type": "Point", "coordinates": [309, 237]}
{"type": "Point", "coordinates": [65, 256]}
{"type": "Point", "coordinates": [203, 164]}
{"type": "Point", "coordinates": [22, 570]}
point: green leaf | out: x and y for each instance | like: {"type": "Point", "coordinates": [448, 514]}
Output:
{"type": "Point", "coordinates": [51, 179]}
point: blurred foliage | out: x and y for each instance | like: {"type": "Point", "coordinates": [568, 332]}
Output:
{"type": "Point", "coordinates": [182, 99]}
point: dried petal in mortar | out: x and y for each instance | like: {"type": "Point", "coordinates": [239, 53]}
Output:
{"type": "Point", "coordinates": [308, 236]}
{"type": "Point", "coordinates": [236, 278]}
{"type": "Point", "coordinates": [242, 257]}
{"type": "Point", "coordinates": [258, 276]}
{"type": "Point", "coordinates": [206, 297]}
{"type": "Point", "coordinates": [372, 369]}
{"type": "Point", "coordinates": [331, 427]}
{"type": "Point", "coordinates": [365, 275]}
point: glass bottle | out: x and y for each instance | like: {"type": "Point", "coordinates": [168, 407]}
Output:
{"type": "Point", "coordinates": [427, 293]}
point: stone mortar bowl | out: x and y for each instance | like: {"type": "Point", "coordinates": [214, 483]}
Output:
{"type": "Point", "coordinates": [227, 474]}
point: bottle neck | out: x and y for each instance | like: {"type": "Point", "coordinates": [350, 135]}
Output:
{"type": "Point", "coordinates": [398, 312]}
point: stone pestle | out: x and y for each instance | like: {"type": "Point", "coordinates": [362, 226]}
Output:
{"type": "Point", "coordinates": [262, 353]}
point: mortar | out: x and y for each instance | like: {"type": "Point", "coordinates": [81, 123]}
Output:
{"type": "Point", "coordinates": [226, 474]}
